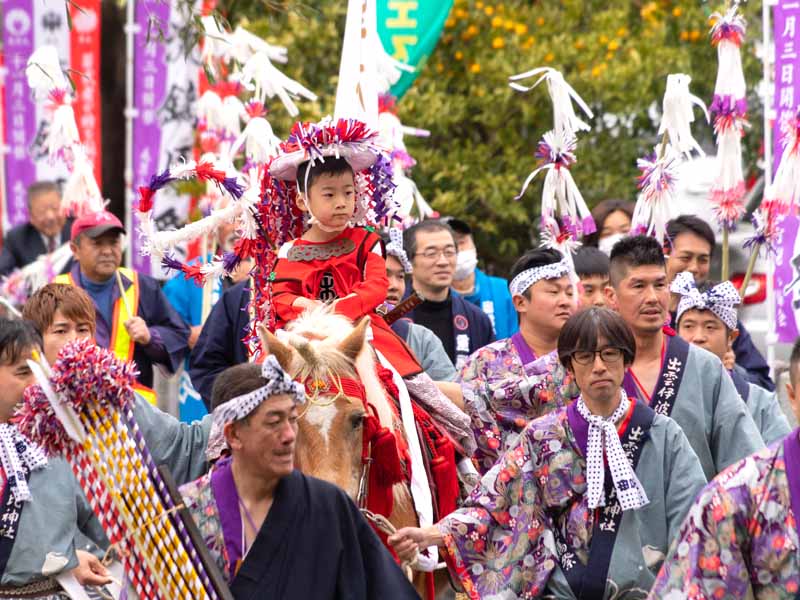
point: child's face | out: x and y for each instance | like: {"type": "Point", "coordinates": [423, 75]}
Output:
{"type": "Point", "coordinates": [331, 199]}
{"type": "Point", "coordinates": [592, 290]}
{"type": "Point", "coordinates": [14, 378]}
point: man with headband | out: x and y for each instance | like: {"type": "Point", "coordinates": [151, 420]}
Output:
{"type": "Point", "coordinates": [498, 394]}
{"type": "Point", "coordinates": [274, 532]}
{"type": "Point", "coordinates": [707, 317]}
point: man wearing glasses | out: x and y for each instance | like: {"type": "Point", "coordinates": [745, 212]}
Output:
{"type": "Point", "coordinates": [461, 326]}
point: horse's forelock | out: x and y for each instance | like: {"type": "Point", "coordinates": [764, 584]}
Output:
{"type": "Point", "coordinates": [321, 322]}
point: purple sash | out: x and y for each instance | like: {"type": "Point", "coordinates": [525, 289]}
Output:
{"type": "Point", "coordinates": [669, 379]}
{"type": "Point", "coordinates": [526, 353]}
{"type": "Point", "coordinates": [589, 581]}
{"type": "Point", "coordinates": [791, 457]}
{"type": "Point", "coordinates": [227, 499]}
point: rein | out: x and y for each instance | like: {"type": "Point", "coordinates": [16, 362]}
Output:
{"type": "Point", "coordinates": [349, 389]}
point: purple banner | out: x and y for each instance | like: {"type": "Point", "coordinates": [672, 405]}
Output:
{"type": "Point", "coordinates": [20, 113]}
{"type": "Point", "coordinates": [165, 100]}
{"type": "Point", "coordinates": [149, 92]}
{"type": "Point", "coordinates": [787, 96]}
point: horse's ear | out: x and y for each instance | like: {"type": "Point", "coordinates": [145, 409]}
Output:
{"type": "Point", "coordinates": [351, 345]}
{"type": "Point", "coordinates": [271, 344]}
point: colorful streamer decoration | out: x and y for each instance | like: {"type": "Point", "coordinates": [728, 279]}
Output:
{"type": "Point", "coordinates": [656, 190]}
{"type": "Point", "coordinates": [561, 198]}
{"type": "Point", "coordinates": [785, 187]}
{"type": "Point", "coordinates": [729, 107]}
{"type": "Point", "coordinates": [160, 243]}
{"type": "Point", "coordinates": [84, 411]}
{"type": "Point", "coordinates": [50, 86]}
{"type": "Point", "coordinates": [560, 195]}
{"type": "Point", "coordinates": [659, 172]}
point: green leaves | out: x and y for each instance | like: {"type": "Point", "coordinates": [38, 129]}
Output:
{"type": "Point", "coordinates": [616, 54]}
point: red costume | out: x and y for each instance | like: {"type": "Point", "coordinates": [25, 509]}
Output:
{"type": "Point", "coordinates": [350, 263]}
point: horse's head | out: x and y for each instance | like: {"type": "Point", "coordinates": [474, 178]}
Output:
{"type": "Point", "coordinates": [321, 351]}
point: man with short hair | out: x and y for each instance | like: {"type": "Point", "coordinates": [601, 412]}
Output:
{"type": "Point", "coordinates": [496, 380]}
{"type": "Point", "coordinates": [591, 266]}
{"type": "Point", "coordinates": [676, 379]}
{"type": "Point", "coordinates": [274, 532]}
{"type": "Point", "coordinates": [707, 318]}
{"type": "Point", "coordinates": [43, 509]}
{"type": "Point", "coordinates": [46, 229]}
{"type": "Point", "coordinates": [689, 246]}
{"type": "Point", "coordinates": [460, 325]}
{"type": "Point", "coordinates": [138, 323]}
{"type": "Point", "coordinates": [488, 293]}
{"type": "Point", "coordinates": [423, 342]}
{"type": "Point", "coordinates": [64, 313]}
{"type": "Point", "coordinates": [792, 390]}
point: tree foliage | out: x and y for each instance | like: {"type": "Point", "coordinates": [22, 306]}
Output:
{"type": "Point", "coordinates": [616, 54]}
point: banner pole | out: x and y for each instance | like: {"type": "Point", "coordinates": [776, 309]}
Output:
{"type": "Point", "coordinates": [771, 337]}
{"type": "Point", "coordinates": [130, 111]}
{"type": "Point", "coordinates": [4, 149]}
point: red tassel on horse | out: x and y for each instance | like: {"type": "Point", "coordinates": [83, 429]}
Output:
{"type": "Point", "coordinates": [445, 475]}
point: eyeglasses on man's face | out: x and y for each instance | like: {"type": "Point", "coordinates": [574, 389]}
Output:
{"type": "Point", "coordinates": [448, 252]}
{"type": "Point", "coordinates": [607, 355]}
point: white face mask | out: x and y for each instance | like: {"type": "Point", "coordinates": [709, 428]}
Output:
{"type": "Point", "coordinates": [466, 261]}
{"type": "Point", "coordinates": [607, 243]}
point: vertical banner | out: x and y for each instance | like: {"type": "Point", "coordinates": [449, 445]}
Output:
{"type": "Point", "coordinates": [164, 97]}
{"type": "Point", "coordinates": [27, 25]}
{"type": "Point", "coordinates": [787, 96]}
{"type": "Point", "coordinates": [409, 31]}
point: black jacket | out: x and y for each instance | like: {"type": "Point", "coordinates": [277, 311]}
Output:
{"type": "Point", "coordinates": [23, 244]}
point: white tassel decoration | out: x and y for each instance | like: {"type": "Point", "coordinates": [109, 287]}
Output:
{"type": "Point", "coordinates": [562, 95]}
{"type": "Point", "coordinates": [44, 73]}
{"type": "Point", "coordinates": [259, 141]}
{"type": "Point", "coordinates": [210, 111]}
{"type": "Point", "coordinates": [678, 114]}
{"type": "Point", "coordinates": [81, 195]}
{"type": "Point", "coordinates": [261, 77]}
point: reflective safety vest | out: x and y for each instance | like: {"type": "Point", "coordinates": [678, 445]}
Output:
{"type": "Point", "coordinates": [121, 343]}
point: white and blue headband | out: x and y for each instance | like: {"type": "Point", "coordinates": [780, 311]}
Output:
{"type": "Point", "coordinates": [395, 248]}
{"type": "Point", "coordinates": [278, 382]}
{"type": "Point", "coordinates": [722, 299]}
{"type": "Point", "coordinates": [527, 278]}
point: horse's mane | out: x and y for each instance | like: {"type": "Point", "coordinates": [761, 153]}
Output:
{"type": "Point", "coordinates": [316, 335]}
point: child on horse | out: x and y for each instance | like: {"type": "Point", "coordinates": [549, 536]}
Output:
{"type": "Point", "coordinates": [336, 260]}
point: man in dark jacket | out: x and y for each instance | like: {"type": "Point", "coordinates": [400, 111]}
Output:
{"type": "Point", "coordinates": [460, 325]}
{"type": "Point", "coordinates": [46, 229]}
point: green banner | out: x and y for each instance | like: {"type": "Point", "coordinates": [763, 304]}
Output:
{"type": "Point", "coordinates": [409, 30]}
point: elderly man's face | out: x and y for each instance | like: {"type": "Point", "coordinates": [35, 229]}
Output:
{"type": "Point", "coordinates": [99, 257]}
{"type": "Point", "coordinates": [265, 441]}
{"type": "Point", "coordinates": [45, 213]}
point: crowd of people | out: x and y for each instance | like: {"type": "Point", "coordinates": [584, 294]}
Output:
{"type": "Point", "coordinates": [626, 437]}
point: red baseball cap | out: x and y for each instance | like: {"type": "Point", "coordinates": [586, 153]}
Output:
{"type": "Point", "coordinates": [96, 224]}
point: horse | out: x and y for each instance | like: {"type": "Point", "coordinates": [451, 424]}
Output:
{"type": "Point", "coordinates": [320, 347]}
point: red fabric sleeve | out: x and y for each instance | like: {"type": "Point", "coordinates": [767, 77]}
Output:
{"type": "Point", "coordinates": [284, 293]}
{"type": "Point", "coordinates": [370, 292]}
